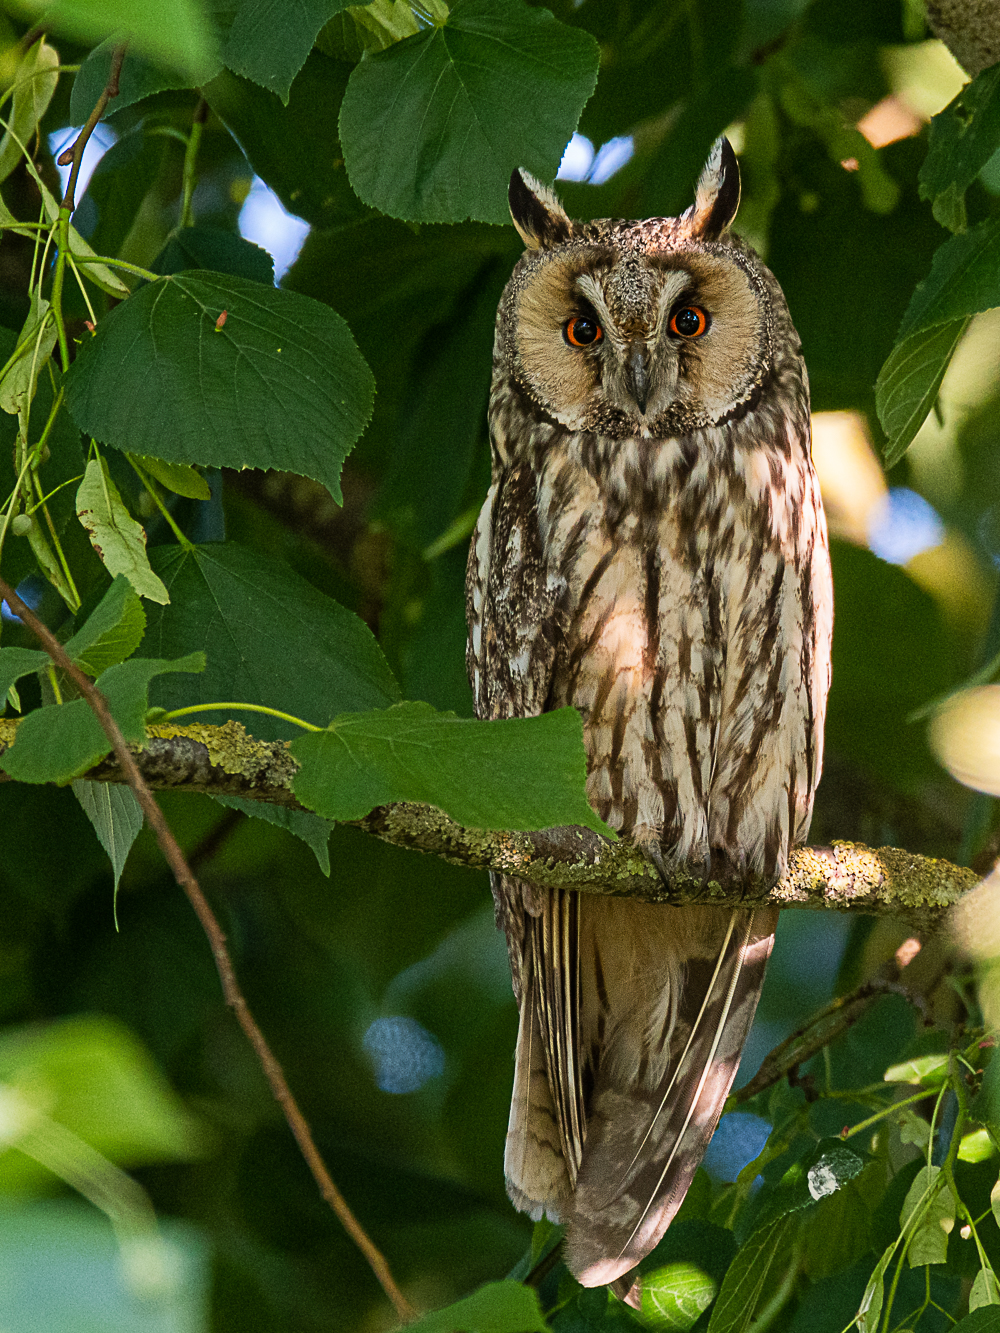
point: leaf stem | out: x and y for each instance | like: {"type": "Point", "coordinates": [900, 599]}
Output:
{"type": "Point", "coordinates": [184, 541]}
{"type": "Point", "coordinates": [242, 708]}
{"type": "Point", "coordinates": [881, 1115]}
{"type": "Point", "coordinates": [190, 177]}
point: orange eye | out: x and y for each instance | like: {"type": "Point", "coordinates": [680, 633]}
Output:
{"type": "Point", "coordinates": [689, 322]}
{"type": "Point", "coordinates": [582, 332]}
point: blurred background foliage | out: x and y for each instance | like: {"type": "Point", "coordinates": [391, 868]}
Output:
{"type": "Point", "coordinates": [383, 988]}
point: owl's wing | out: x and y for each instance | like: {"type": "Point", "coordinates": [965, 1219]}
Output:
{"type": "Point", "coordinates": [512, 607]}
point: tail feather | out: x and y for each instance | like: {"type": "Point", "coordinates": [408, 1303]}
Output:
{"type": "Point", "coordinates": [633, 1018]}
{"type": "Point", "coordinates": [644, 1143]}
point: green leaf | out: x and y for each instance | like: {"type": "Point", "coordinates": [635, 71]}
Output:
{"type": "Point", "coordinates": [173, 32]}
{"type": "Point", "coordinates": [139, 78]}
{"type": "Point", "coordinates": [214, 249]}
{"type": "Point", "coordinates": [963, 138]}
{"type": "Point", "coordinates": [112, 632]}
{"type": "Point", "coordinates": [433, 127]}
{"type": "Point", "coordinates": [18, 662]}
{"type": "Point", "coordinates": [120, 182]}
{"type": "Point", "coordinates": [984, 1320]}
{"type": "Point", "coordinates": [181, 478]}
{"type": "Point", "coordinates": [675, 1296]}
{"type": "Point", "coordinates": [63, 741]}
{"type": "Point", "coordinates": [278, 140]}
{"type": "Point", "coordinates": [35, 80]}
{"type": "Point", "coordinates": [924, 1071]}
{"type": "Point", "coordinates": [270, 638]}
{"type": "Point", "coordinates": [92, 1076]}
{"type": "Point", "coordinates": [985, 1291]}
{"type": "Point", "coordinates": [251, 48]}
{"type": "Point", "coordinates": [114, 534]}
{"type": "Point", "coordinates": [870, 1309]}
{"type": "Point", "coordinates": [522, 773]}
{"type": "Point", "coordinates": [35, 343]}
{"type": "Point", "coordinates": [279, 384]}
{"type": "Point", "coordinates": [929, 1211]}
{"type": "Point", "coordinates": [314, 831]}
{"type": "Point", "coordinates": [744, 1282]}
{"type": "Point", "coordinates": [964, 280]}
{"type": "Point", "coordinates": [498, 1307]}
{"type": "Point", "coordinates": [827, 1168]}
{"type": "Point", "coordinates": [116, 816]}
{"type": "Point", "coordinates": [908, 383]}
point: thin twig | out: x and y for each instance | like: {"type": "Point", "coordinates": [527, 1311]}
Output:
{"type": "Point", "coordinates": [230, 987]}
{"type": "Point", "coordinates": [74, 153]}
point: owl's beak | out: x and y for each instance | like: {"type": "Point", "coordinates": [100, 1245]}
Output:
{"type": "Point", "coordinates": [637, 374]}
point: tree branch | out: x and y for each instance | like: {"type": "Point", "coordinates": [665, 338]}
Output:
{"type": "Point", "coordinates": [847, 877]}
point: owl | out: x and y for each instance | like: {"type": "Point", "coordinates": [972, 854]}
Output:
{"type": "Point", "coordinates": [653, 552]}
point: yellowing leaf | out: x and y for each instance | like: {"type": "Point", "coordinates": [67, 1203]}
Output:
{"type": "Point", "coordinates": [985, 1290]}
{"type": "Point", "coordinates": [34, 83]}
{"type": "Point", "coordinates": [923, 1070]}
{"type": "Point", "coordinates": [114, 534]}
{"type": "Point", "coordinates": [34, 347]}
{"type": "Point", "coordinates": [929, 1213]}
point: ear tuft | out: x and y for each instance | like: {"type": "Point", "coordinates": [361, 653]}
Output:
{"type": "Point", "coordinates": [718, 195]}
{"type": "Point", "coordinates": [538, 215]}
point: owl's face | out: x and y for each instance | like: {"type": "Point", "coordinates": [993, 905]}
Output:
{"type": "Point", "coordinates": [645, 329]}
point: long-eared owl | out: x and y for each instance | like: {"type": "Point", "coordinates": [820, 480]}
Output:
{"type": "Point", "coordinates": [652, 551]}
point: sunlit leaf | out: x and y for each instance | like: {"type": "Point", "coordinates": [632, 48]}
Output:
{"type": "Point", "coordinates": [523, 773]}
{"type": "Point", "coordinates": [35, 81]}
{"type": "Point", "coordinates": [908, 383]}
{"type": "Point", "coordinates": [60, 742]}
{"type": "Point", "coordinates": [112, 631]}
{"type": "Point", "coordinates": [965, 736]}
{"type": "Point", "coordinates": [499, 1307]}
{"type": "Point", "coordinates": [173, 32]}
{"type": "Point", "coordinates": [985, 1290]}
{"type": "Point", "coordinates": [181, 478]}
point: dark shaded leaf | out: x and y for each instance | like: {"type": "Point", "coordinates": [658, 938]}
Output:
{"type": "Point", "coordinates": [313, 831]}
{"type": "Point", "coordinates": [523, 773]}
{"type": "Point", "coordinates": [279, 383]}
{"type": "Point", "coordinates": [116, 817]}
{"type": "Point", "coordinates": [115, 191]}
{"type": "Point", "coordinates": [748, 1273]}
{"type": "Point", "coordinates": [270, 39]}
{"type": "Point", "coordinates": [217, 250]}
{"type": "Point", "coordinates": [964, 279]}
{"type": "Point", "coordinates": [963, 138]}
{"type": "Point", "coordinates": [18, 662]}
{"type": "Point", "coordinates": [138, 79]}
{"type": "Point", "coordinates": [433, 127]}
{"type": "Point", "coordinates": [270, 638]}
{"type": "Point", "coordinates": [295, 148]}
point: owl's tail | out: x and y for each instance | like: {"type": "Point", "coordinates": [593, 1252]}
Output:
{"type": "Point", "coordinates": [641, 1012]}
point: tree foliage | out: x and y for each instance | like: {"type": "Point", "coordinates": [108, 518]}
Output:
{"type": "Point", "coordinates": [236, 499]}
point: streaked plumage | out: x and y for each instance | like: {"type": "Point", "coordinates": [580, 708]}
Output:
{"type": "Point", "coordinates": [653, 551]}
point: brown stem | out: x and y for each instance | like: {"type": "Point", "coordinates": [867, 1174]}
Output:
{"type": "Point", "coordinates": [230, 987]}
{"type": "Point", "coordinates": [820, 1030]}
{"type": "Point", "coordinates": [74, 153]}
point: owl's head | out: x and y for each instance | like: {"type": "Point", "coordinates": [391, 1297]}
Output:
{"type": "Point", "coordinates": [647, 328]}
